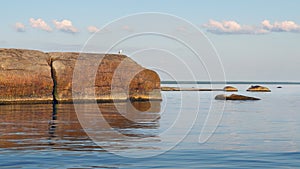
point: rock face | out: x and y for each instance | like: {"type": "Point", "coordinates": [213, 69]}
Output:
{"type": "Point", "coordinates": [230, 89]}
{"type": "Point", "coordinates": [109, 76]}
{"type": "Point", "coordinates": [28, 76]}
{"type": "Point", "coordinates": [234, 97]}
{"type": "Point", "coordinates": [258, 88]}
{"type": "Point", "coordinates": [25, 77]}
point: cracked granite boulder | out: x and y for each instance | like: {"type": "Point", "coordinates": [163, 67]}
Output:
{"type": "Point", "coordinates": [103, 77]}
{"type": "Point", "coordinates": [28, 76]}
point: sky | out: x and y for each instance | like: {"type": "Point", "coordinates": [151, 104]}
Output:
{"type": "Point", "coordinates": [255, 40]}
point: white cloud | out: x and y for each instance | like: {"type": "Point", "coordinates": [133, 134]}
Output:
{"type": "Point", "coordinates": [65, 26]}
{"type": "Point", "coordinates": [267, 25]}
{"type": "Point", "coordinates": [285, 26]}
{"type": "Point", "coordinates": [232, 27]}
{"type": "Point", "coordinates": [20, 27]}
{"type": "Point", "coordinates": [40, 24]}
{"type": "Point", "coordinates": [93, 29]}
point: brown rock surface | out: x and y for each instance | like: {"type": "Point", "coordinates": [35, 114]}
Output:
{"type": "Point", "coordinates": [111, 76]}
{"type": "Point", "coordinates": [234, 97]}
{"type": "Point", "coordinates": [258, 88]}
{"type": "Point", "coordinates": [25, 77]}
{"type": "Point", "coordinates": [230, 89]}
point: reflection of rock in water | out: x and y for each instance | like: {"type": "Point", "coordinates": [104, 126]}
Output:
{"type": "Point", "coordinates": [38, 127]}
{"type": "Point", "coordinates": [24, 125]}
{"type": "Point", "coordinates": [124, 125]}
{"type": "Point", "coordinates": [142, 106]}
{"type": "Point", "coordinates": [53, 121]}
{"type": "Point", "coordinates": [140, 115]}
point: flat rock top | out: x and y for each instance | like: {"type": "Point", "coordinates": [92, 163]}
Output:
{"type": "Point", "coordinates": [11, 59]}
{"type": "Point", "coordinates": [75, 55]}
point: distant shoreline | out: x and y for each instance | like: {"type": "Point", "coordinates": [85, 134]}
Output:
{"type": "Point", "coordinates": [229, 82]}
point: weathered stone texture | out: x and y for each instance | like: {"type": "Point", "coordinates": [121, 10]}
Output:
{"type": "Point", "coordinates": [25, 76]}
{"type": "Point", "coordinates": [28, 76]}
{"type": "Point", "coordinates": [110, 76]}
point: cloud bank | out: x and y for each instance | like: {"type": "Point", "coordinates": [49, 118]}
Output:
{"type": "Point", "coordinates": [285, 26]}
{"type": "Point", "coordinates": [213, 26]}
{"type": "Point", "coordinates": [233, 27]}
{"type": "Point", "coordinates": [65, 26]}
{"type": "Point", "coordinates": [40, 24]}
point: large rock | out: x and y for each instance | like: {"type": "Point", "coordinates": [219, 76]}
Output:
{"type": "Point", "coordinates": [25, 77]}
{"type": "Point", "coordinates": [234, 97]}
{"type": "Point", "coordinates": [258, 88]}
{"type": "Point", "coordinates": [103, 77]}
{"type": "Point", "coordinates": [28, 76]}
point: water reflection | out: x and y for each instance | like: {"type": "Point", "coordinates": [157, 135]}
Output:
{"type": "Point", "coordinates": [53, 121]}
{"type": "Point", "coordinates": [57, 126]}
{"type": "Point", "coordinates": [121, 126]}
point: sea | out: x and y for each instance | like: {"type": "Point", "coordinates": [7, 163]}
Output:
{"type": "Point", "coordinates": [187, 129]}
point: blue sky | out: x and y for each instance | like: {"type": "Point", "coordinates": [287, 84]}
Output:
{"type": "Point", "coordinates": [256, 40]}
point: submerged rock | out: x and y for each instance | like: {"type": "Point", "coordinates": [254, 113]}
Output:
{"type": "Point", "coordinates": [230, 89]}
{"type": "Point", "coordinates": [234, 97]}
{"type": "Point", "coordinates": [258, 88]}
{"type": "Point", "coordinates": [28, 76]}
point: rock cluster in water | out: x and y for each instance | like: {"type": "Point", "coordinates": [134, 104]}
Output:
{"type": "Point", "coordinates": [29, 76]}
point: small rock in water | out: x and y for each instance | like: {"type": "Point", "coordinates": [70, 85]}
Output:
{"type": "Point", "coordinates": [234, 97]}
{"type": "Point", "coordinates": [258, 88]}
{"type": "Point", "coordinates": [230, 89]}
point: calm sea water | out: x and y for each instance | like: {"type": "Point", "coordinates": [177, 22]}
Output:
{"type": "Point", "coordinates": [263, 134]}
